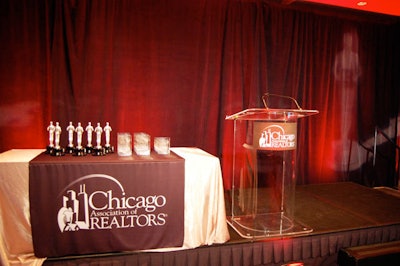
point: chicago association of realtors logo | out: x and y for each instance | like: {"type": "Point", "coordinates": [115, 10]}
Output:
{"type": "Point", "coordinates": [107, 209]}
{"type": "Point", "coordinates": [276, 137]}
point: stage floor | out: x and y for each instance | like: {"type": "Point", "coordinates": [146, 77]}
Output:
{"type": "Point", "coordinates": [341, 215]}
{"type": "Point", "coordinates": [343, 206]}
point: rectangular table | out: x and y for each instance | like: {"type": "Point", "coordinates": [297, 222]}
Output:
{"type": "Point", "coordinates": [204, 206]}
{"type": "Point", "coordinates": [98, 204]}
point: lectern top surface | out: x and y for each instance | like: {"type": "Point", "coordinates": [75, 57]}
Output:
{"type": "Point", "coordinates": [271, 114]}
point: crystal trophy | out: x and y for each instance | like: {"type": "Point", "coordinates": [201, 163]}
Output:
{"type": "Point", "coordinates": [124, 144]}
{"type": "Point", "coordinates": [162, 145]}
{"type": "Point", "coordinates": [142, 143]}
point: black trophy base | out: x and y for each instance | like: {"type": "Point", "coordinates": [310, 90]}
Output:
{"type": "Point", "coordinates": [69, 150]}
{"type": "Point", "coordinates": [79, 151]}
{"type": "Point", "coordinates": [98, 151]}
{"type": "Point", "coordinates": [109, 149]}
{"type": "Point", "coordinates": [49, 149]}
{"type": "Point", "coordinates": [57, 152]}
{"type": "Point", "coordinates": [89, 149]}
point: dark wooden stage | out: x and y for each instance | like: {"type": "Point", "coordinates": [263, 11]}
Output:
{"type": "Point", "coordinates": [342, 215]}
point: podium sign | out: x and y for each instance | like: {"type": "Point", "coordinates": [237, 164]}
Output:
{"type": "Point", "coordinates": [264, 178]}
{"type": "Point", "coordinates": [275, 135]}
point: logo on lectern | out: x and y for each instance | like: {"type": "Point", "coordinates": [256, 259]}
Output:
{"type": "Point", "coordinates": [107, 209]}
{"type": "Point", "coordinates": [276, 137]}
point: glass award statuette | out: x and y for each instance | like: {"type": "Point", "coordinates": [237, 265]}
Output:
{"type": "Point", "coordinates": [263, 174]}
{"type": "Point", "coordinates": [124, 144]}
{"type": "Point", "coordinates": [162, 145]}
{"type": "Point", "coordinates": [142, 143]}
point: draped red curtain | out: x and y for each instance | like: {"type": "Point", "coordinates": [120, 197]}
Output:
{"type": "Point", "coordinates": [177, 68]}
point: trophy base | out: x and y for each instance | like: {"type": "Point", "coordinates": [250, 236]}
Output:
{"type": "Point", "coordinates": [109, 149]}
{"type": "Point", "coordinates": [89, 149]}
{"type": "Point", "coordinates": [79, 152]}
{"type": "Point", "coordinates": [98, 151]}
{"type": "Point", "coordinates": [69, 150]}
{"type": "Point", "coordinates": [57, 152]}
{"type": "Point", "coordinates": [49, 149]}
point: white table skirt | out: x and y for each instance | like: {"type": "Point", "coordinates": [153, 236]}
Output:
{"type": "Point", "coordinates": [205, 218]}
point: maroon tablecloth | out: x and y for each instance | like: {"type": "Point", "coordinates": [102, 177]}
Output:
{"type": "Point", "coordinates": [83, 205]}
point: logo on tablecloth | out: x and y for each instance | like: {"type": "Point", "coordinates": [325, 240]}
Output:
{"type": "Point", "coordinates": [107, 209]}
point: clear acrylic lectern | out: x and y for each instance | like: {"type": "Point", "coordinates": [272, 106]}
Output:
{"type": "Point", "coordinates": [264, 163]}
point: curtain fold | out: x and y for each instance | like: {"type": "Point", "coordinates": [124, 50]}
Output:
{"type": "Point", "coordinates": [177, 68]}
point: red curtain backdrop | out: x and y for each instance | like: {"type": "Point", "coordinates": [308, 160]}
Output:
{"type": "Point", "coordinates": [176, 68]}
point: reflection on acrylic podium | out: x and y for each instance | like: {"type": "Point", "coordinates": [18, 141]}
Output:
{"type": "Point", "coordinates": [264, 163]}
